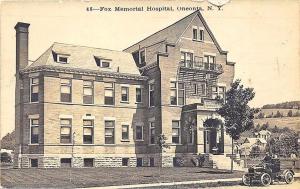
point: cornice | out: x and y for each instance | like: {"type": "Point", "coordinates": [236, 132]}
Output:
{"type": "Point", "coordinates": [84, 72]}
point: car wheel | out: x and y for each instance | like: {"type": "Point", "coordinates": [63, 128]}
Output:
{"type": "Point", "coordinates": [246, 180]}
{"type": "Point", "coordinates": [288, 177]}
{"type": "Point", "coordinates": [265, 179]}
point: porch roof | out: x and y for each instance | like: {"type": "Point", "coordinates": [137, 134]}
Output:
{"type": "Point", "coordinates": [205, 105]}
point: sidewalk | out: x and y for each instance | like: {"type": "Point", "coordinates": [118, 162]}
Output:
{"type": "Point", "coordinates": [221, 182]}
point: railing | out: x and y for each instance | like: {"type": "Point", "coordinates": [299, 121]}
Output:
{"type": "Point", "coordinates": [202, 66]}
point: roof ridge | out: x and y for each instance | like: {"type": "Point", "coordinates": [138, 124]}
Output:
{"type": "Point", "coordinates": [88, 47]}
{"type": "Point", "coordinates": [195, 12]}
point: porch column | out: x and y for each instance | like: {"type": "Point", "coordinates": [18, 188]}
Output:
{"type": "Point", "coordinates": [200, 135]}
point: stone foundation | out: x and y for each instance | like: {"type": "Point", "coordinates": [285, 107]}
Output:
{"type": "Point", "coordinates": [168, 160]}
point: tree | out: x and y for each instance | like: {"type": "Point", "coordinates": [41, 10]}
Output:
{"type": "Point", "coordinates": [275, 129]}
{"type": "Point", "coordinates": [265, 126]}
{"type": "Point", "coordinates": [255, 151]}
{"type": "Point", "coordinates": [162, 144]}
{"type": "Point", "coordinates": [8, 141]}
{"type": "Point", "coordinates": [290, 113]}
{"type": "Point", "coordinates": [5, 157]}
{"type": "Point", "coordinates": [261, 115]}
{"type": "Point", "coordinates": [278, 114]}
{"type": "Point", "coordinates": [297, 114]}
{"type": "Point", "coordinates": [257, 128]}
{"type": "Point", "coordinates": [237, 114]}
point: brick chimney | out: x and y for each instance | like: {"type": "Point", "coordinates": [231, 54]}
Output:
{"type": "Point", "coordinates": [21, 45]}
{"type": "Point", "coordinates": [21, 63]}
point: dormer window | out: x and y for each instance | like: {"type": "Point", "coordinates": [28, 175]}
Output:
{"type": "Point", "coordinates": [102, 63]}
{"type": "Point", "coordinates": [62, 59]}
{"type": "Point", "coordinates": [140, 57]}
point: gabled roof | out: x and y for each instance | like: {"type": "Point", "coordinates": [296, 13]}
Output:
{"type": "Point", "coordinates": [81, 57]}
{"type": "Point", "coordinates": [264, 132]}
{"type": "Point", "coordinates": [251, 141]}
{"type": "Point", "coordinates": [172, 33]}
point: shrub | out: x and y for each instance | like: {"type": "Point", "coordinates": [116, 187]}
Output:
{"type": "Point", "coordinates": [5, 157]}
{"type": "Point", "coordinates": [290, 113]}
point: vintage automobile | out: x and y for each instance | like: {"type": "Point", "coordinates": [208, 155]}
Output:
{"type": "Point", "coordinates": [268, 172]}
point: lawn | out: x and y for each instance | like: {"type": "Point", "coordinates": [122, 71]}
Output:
{"type": "Point", "coordinates": [91, 177]}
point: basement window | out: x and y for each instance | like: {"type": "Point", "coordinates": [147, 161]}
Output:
{"type": "Point", "coordinates": [65, 162]}
{"type": "Point", "coordinates": [88, 162]}
{"type": "Point", "coordinates": [33, 163]}
{"type": "Point", "coordinates": [125, 162]}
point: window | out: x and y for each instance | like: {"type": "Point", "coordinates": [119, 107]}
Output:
{"type": "Point", "coordinates": [62, 59]}
{"type": "Point", "coordinates": [191, 135]}
{"type": "Point", "coordinates": [138, 95]}
{"type": "Point", "coordinates": [65, 130]}
{"type": "Point", "coordinates": [181, 94]}
{"type": "Point", "coordinates": [88, 93]}
{"type": "Point", "coordinates": [125, 162]}
{"type": "Point", "coordinates": [109, 132]}
{"type": "Point", "coordinates": [34, 89]}
{"type": "Point", "coordinates": [88, 162]}
{"type": "Point", "coordinates": [195, 88]}
{"type": "Point", "coordinates": [124, 94]}
{"type": "Point", "coordinates": [151, 94]}
{"type": "Point", "coordinates": [109, 94]}
{"type": "Point", "coordinates": [175, 132]}
{"type": "Point", "coordinates": [222, 92]}
{"type": "Point", "coordinates": [65, 162]}
{"type": "Point", "coordinates": [218, 92]}
{"type": "Point", "coordinates": [187, 59]}
{"type": "Point", "coordinates": [195, 34]}
{"type": "Point", "coordinates": [102, 63]}
{"type": "Point", "coordinates": [33, 162]}
{"type": "Point", "coordinates": [142, 57]}
{"type": "Point", "coordinates": [34, 131]}
{"type": "Point", "coordinates": [105, 64]}
{"type": "Point", "coordinates": [139, 132]}
{"type": "Point", "coordinates": [88, 131]}
{"type": "Point", "coordinates": [151, 162]}
{"type": "Point", "coordinates": [136, 57]}
{"type": "Point", "coordinates": [125, 132]}
{"type": "Point", "coordinates": [152, 132]}
{"type": "Point", "coordinates": [139, 162]}
{"type": "Point", "coordinates": [203, 89]}
{"type": "Point", "coordinates": [173, 95]}
{"type": "Point", "coordinates": [177, 89]}
{"type": "Point", "coordinates": [201, 34]}
{"type": "Point", "coordinates": [65, 90]}
{"type": "Point", "coordinates": [209, 62]}
{"type": "Point", "coordinates": [214, 91]}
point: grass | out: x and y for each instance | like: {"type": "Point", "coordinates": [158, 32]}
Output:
{"type": "Point", "coordinates": [92, 177]}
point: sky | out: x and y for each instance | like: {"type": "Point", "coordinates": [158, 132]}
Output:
{"type": "Point", "coordinates": [262, 37]}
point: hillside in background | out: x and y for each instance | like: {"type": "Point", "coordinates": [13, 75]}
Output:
{"type": "Point", "coordinates": [284, 105]}
{"type": "Point", "coordinates": [281, 115]}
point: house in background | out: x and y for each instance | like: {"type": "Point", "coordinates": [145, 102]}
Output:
{"type": "Point", "coordinates": [80, 106]}
{"type": "Point", "coordinates": [264, 134]}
